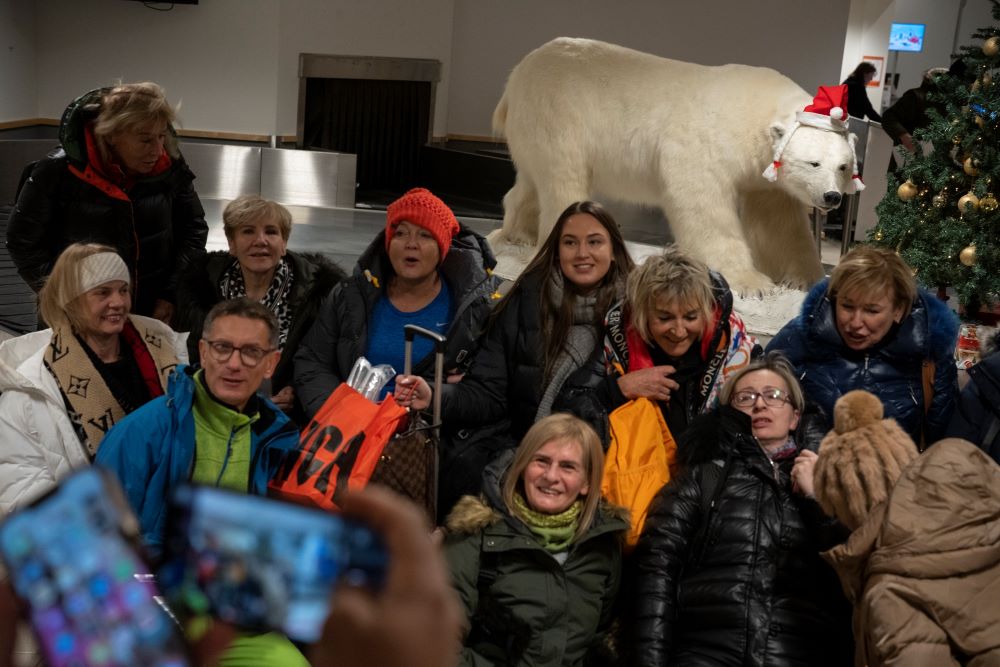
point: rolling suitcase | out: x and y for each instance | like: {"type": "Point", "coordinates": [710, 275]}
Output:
{"type": "Point", "coordinates": [409, 462]}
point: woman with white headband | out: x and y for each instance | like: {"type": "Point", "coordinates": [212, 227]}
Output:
{"type": "Point", "coordinates": [64, 387]}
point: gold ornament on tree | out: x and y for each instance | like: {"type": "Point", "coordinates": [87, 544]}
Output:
{"type": "Point", "coordinates": [968, 202]}
{"type": "Point", "coordinates": [980, 121]}
{"type": "Point", "coordinates": [969, 166]}
{"type": "Point", "coordinates": [968, 255]}
{"type": "Point", "coordinates": [988, 203]}
{"type": "Point", "coordinates": [878, 235]}
{"type": "Point", "coordinates": [907, 191]}
{"type": "Point", "coordinates": [956, 140]}
{"type": "Point", "coordinates": [991, 47]}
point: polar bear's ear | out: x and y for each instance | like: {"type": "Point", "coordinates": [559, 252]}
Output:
{"type": "Point", "coordinates": [777, 131]}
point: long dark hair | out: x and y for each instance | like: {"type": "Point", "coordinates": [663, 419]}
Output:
{"type": "Point", "coordinates": [862, 69]}
{"type": "Point", "coordinates": [556, 322]}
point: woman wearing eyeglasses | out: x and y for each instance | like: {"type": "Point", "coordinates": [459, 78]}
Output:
{"type": "Point", "coordinates": [64, 387]}
{"type": "Point", "coordinates": [727, 568]}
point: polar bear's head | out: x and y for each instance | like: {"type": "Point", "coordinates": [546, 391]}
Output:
{"type": "Point", "coordinates": [816, 165]}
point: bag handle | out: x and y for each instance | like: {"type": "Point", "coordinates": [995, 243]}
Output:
{"type": "Point", "coordinates": [410, 331]}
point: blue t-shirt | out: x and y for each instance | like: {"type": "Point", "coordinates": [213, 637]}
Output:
{"type": "Point", "coordinates": [386, 344]}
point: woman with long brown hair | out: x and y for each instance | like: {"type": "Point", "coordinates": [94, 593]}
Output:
{"type": "Point", "coordinates": [542, 352]}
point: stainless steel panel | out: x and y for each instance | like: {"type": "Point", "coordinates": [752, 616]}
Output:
{"type": "Point", "coordinates": [223, 171]}
{"type": "Point", "coordinates": [308, 178]}
{"type": "Point", "coordinates": [321, 66]}
{"type": "Point", "coordinates": [15, 154]}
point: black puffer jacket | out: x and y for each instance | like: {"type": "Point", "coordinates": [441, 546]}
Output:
{"type": "Point", "coordinates": [313, 278]}
{"type": "Point", "coordinates": [977, 418]}
{"type": "Point", "coordinates": [339, 335]}
{"type": "Point", "coordinates": [506, 377]}
{"type": "Point", "coordinates": [742, 583]}
{"type": "Point", "coordinates": [157, 226]}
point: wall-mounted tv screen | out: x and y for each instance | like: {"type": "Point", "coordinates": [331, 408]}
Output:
{"type": "Point", "coordinates": [906, 37]}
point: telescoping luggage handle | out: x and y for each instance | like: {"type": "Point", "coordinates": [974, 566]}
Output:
{"type": "Point", "coordinates": [411, 330]}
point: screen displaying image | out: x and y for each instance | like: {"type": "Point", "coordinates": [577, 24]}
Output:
{"type": "Point", "coordinates": [264, 564]}
{"type": "Point", "coordinates": [90, 600]}
{"type": "Point", "coordinates": [906, 37]}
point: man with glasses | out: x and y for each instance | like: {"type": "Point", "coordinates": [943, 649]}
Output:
{"type": "Point", "coordinates": [211, 427]}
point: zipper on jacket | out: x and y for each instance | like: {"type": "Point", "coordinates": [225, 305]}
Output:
{"type": "Point", "coordinates": [775, 472]}
{"type": "Point", "coordinates": [866, 362]}
{"type": "Point", "coordinates": [225, 461]}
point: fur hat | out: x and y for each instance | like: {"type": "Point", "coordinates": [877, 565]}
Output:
{"type": "Point", "coordinates": [860, 459]}
{"type": "Point", "coordinates": [420, 207]}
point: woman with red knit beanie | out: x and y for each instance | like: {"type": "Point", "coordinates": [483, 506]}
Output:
{"type": "Point", "coordinates": [426, 268]}
{"type": "Point", "coordinates": [541, 354]}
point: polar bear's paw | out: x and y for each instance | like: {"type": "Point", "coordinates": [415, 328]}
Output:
{"type": "Point", "coordinates": [749, 282]}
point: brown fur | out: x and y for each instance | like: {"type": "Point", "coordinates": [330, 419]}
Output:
{"type": "Point", "coordinates": [856, 409]}
{"type": "Point", "coordinates": [470, 515]}
{"type": "Point", "coordinates": [860, 460]}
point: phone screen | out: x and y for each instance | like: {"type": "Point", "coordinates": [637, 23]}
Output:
{"type": "Point", "coordinates": [70, 561]}
{"type": "Point", "coordinates": [261, 563]}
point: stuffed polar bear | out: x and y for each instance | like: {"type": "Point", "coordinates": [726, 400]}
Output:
{"type": "Point", "coordinates": [582, 117]}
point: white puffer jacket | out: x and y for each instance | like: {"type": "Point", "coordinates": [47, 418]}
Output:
{"type": "Point", "coordinates": [38, 445]}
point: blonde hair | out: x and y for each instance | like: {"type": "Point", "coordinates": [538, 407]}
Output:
{"type": "Point", "coordinates": [129, 105]}
{"type": "Point", "coordinates": [672, 275]}
{"type": "Point", "coordinates": [59, 301]}
{"type": "Point", "coordinates": [560, 426]}
{"type": "Point", "coordinates": [777, 363]}
{"type": "Point", "coordinates": [869, 270]}
{"type": "Point", "coordinates": [250, 208]}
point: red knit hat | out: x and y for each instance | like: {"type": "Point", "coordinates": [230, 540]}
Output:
{"type": "Point", "coordinates": [421, 208]}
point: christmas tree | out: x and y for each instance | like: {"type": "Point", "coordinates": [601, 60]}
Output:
{"type": "Point", "coordinates": [941, 213]}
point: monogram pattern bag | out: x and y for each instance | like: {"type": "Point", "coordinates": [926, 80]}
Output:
{"type": "Point", "coordinates": [409, 462]}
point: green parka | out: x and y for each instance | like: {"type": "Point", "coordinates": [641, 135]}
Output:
{"type": "Point", "coordinates": [523, 606]}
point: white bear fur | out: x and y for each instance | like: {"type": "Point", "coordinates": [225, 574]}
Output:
{"type": "Point", "coordinates": [582, 116]}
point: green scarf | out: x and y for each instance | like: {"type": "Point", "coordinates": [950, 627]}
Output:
{"type": "Point", "coordinates": [554, 531]}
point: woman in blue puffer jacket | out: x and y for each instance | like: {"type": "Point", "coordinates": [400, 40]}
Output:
{"type": "Point", "coordinates": [869, 327]}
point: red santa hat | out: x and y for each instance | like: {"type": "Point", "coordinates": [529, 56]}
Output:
{"type": "Point", "coordinates": [828, 112]}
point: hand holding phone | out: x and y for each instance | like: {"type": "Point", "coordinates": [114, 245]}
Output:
{"type": "Point", "coordinates": [72, 559]}
{"type": "Point", "coordinates": [415, 620]}
{"type": "Point", "coordinates": [263, 564]}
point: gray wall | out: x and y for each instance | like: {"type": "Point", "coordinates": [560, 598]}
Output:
{"type": "Point", "coordinates": [940, 17]}
{"type": "Point", "coordinates": [803, 39]}
{"type": "Point", "coordinates": [233, 63]}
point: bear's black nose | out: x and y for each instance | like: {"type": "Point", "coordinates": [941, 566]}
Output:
{"type": "Point", "coordinates": [831, 198]}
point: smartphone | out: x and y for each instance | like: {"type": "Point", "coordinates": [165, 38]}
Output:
{"type": "Point", "coordinates": [72, 558]}
{"type": "Point", "coordinates": [261, 563]}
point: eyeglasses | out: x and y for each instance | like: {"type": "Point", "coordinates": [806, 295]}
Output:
{"type": "Point", "coordinates": [250, 355]}
{"type": "Point", "coordinates": [747, 398]}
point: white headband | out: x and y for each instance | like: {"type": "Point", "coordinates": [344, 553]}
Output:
{"type": "Point", "coordinates": [102, 268]}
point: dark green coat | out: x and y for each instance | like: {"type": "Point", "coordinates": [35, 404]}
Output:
{"type": "Point", "coordinates": [534, 611]}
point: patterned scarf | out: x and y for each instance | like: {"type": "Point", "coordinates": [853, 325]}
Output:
{"type": "Point", "coordinates": [554, 531]}
{"type": "Point", "coordinates": [276, 299]}
{"type": "Point", "coordinates": [91, 405]}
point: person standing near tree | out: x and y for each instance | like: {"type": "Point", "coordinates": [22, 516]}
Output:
{"type": "Point", "coordinates": [858, 104]}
